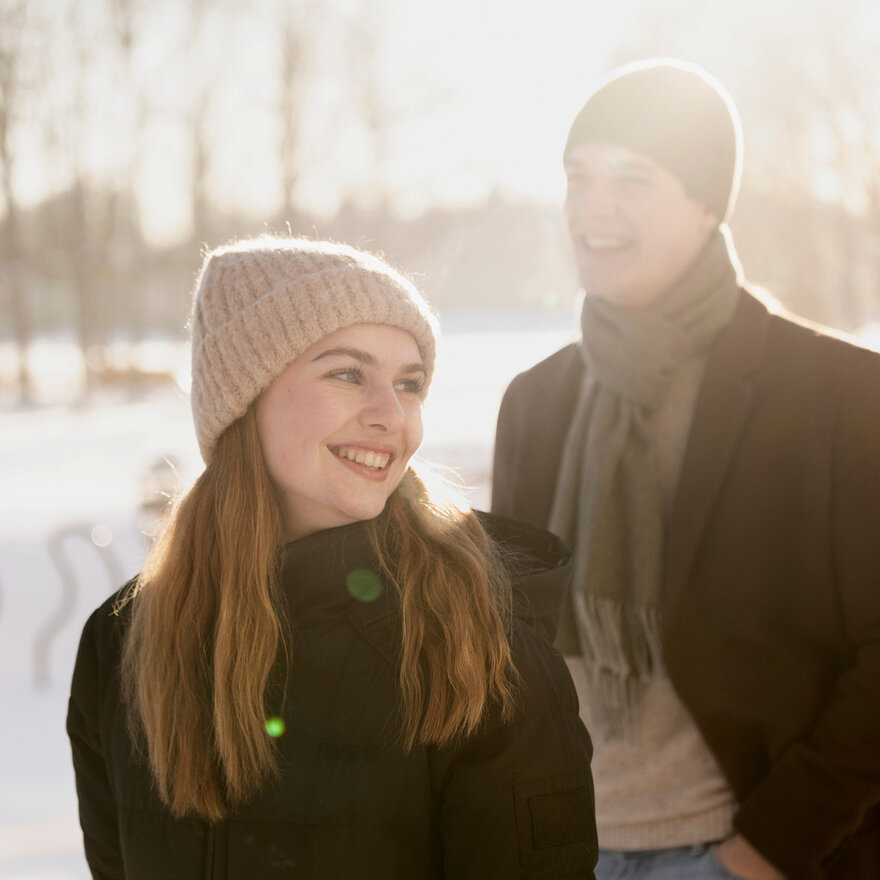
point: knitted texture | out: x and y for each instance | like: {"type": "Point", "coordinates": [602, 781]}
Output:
{"type": "Point", "coordinates": [677, 115]}
{"type": "Point", "coordinates": [260, 303]}
{"type": "Point", "coordinates": [609, 501]}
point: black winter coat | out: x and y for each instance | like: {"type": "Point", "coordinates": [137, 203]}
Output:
{"type": "Point", "coordinates": [515, 800]}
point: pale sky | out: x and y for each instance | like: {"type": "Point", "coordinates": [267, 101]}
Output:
{"type": "Point", "coordinates": [481, 93]}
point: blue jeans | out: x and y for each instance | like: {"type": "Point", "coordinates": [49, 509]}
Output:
{"type": "Point", "coordinates": [681, 863]}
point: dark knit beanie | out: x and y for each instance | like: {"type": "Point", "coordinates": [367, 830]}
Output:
{"type": "Point", "coordinates": [677, 115]}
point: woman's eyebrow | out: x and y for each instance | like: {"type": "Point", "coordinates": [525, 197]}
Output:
{"type": "Point", "coordinates": [365, 358]}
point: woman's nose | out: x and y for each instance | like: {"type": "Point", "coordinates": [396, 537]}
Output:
{"type": "Point", "coordinates": [383, 409]}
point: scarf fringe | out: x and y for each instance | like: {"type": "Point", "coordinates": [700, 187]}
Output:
{"type": "Point", "coordinates": [622, 649]}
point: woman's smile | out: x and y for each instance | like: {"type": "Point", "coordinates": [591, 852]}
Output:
{"type": "Point", "coordinates": [340, 424]}
{"type": "Point", "coordinates": [371, 458]}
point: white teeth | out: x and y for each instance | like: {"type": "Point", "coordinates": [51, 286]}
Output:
{"type": "Point", "coordinates": [373, 460]}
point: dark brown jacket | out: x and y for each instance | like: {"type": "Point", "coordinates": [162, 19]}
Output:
{"type": "Point", "coordinates": [771, 594]}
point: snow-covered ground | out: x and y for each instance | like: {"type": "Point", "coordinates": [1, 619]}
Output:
{"type": "Point", "coordinates": [71, 481]}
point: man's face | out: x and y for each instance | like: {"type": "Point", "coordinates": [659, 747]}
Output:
{"type": "Point", "coordinates": [633, 227]}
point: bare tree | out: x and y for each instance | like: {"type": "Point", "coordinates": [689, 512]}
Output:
{"type": "Point", "coordinates": [821, 131]}
{"type": "Point", "coordinates": [81, 254]}
{"type": "Point", "coordinates": [379, 101]}
{"type": "Point", "coordinates": [807, 91]}
{"type": "Point", "coordinates": [200, 112]}
{"type": "Point", "coordinates": [121, 241]}
{"type": "Point", "coordinates": [370, 96]}
{"type": "Point", "coordinates": [293, 72]}
{"type": "Point", "coordinates": [200, 166]}
{"type": "Point", "coordinates": [12, 23]}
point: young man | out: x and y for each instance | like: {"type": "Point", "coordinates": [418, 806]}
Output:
{"type": "Point", "coordinates": [715, 465]}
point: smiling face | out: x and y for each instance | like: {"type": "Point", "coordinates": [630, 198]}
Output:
{"type": "Point", "coordinates": [340, 424]}
{"type": "Point", "coordinates": [633, 227]}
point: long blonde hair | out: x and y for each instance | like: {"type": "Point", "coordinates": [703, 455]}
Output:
{"type": "Point", "coordinates": [208, 627]}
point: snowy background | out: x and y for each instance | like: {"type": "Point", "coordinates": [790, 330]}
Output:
{"type": "Point", "coordinates": [72, 477]}
{"type": "Point", "coordinates": [133, 133]}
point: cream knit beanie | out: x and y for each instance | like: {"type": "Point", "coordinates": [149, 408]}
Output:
{"type": "Point", "coordinates": [259, 303]}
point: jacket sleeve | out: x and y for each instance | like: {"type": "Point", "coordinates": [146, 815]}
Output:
{"type": "Point", "coordinates": [503, 464]}
{"type": "Point", "coordinates": [531, 430]}
{"type": "Point", "coordinates": [97, 806]}
{"type": "Point", "coordinates": [522, 483]}
{"type": "Point", "coordinates": [517, 800]}
{"type": "Point", "coordinates": [825, 784]}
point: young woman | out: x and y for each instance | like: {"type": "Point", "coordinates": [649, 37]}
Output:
{"type": "Point", "coordinates": [324, 671]}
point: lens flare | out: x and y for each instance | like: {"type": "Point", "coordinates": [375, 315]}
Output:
{"type": "Point", "coordinates": [274, 726]}
{"type": "Point", "coordinates": [363, 585]}
{"type": "Point", "coordinates": [101, 535]}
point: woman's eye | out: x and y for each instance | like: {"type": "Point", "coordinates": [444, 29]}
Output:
{"type": "Point", "coordinates": [411, 386]}
{"type": "Point", "coordinates": [351, 374]}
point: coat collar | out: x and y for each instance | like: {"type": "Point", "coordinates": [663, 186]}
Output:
{"type": "Point", "coordinates": [724, 402]}
{"type": "Point", "coordinates": [335, 573]}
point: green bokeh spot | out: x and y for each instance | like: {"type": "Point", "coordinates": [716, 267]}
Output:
{"type": "Point", "coordinates": [363, 585]}
{"type": "Point", "coordinates": [275, 727]}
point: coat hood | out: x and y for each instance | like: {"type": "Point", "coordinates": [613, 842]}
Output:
{"type": "Point", "coordinates": [540, 567]}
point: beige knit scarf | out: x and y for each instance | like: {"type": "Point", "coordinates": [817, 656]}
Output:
{"type": "Point", "coordinates": [609, 504]}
